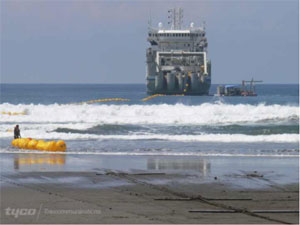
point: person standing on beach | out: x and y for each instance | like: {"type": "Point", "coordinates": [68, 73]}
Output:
{"type": "Point", "coordinates": [17, 133]}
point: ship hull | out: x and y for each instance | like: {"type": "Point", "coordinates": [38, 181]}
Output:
{"type": "Point", "coordinates": [202, 89]}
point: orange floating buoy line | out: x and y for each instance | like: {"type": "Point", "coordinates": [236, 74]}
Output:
{"type": "Point", "coordinates": [106, 100]}
{"type": "Point", "coordinates": [157, 95]}
{"type": "Point", "coordinates": [152, 96]}
{"type": "Point", "coordinates": [13, 113]}
{"type": "Point", "coordinates": [33, 144]}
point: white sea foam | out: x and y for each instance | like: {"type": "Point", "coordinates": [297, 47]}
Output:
{"type": "Point", "coordinates": [224, 138]}
{"type": "Point", "coordinates": [42, 120]}
{"type": "Point", "coordinates": [204, 114]}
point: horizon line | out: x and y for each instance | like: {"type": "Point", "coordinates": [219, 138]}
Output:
{"type": "Point", "coordinates": [127, 83]}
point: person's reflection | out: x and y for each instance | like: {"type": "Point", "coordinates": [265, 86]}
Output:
{"type": "Point", "coordinates": [30, 160]}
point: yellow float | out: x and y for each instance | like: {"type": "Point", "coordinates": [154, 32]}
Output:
{"type": "Point", "coordinates": [106, 100]}
{"type": "Point", "coordinates": [152, 96]}
{"type": "Point", "coordinates": [13, 113]}
{"type": "Point", "coordinates": [32, 144]}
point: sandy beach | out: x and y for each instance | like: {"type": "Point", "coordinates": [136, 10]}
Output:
{"type": "Point", "coordinates": [58, 188]}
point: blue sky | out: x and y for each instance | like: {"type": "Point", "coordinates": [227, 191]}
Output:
{"type": "Point", "coordinates": [105, 41]}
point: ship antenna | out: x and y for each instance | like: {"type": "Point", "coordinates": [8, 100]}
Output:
{"type": "Point", "coordinates": [171, 18]}
{"type": "Point", "coordinates": [180, 16]}
{"type": "Point", "coordinates": [175, 18]}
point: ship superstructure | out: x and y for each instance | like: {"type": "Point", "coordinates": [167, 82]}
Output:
{"type": "Point", "coordinates": [177, 60]}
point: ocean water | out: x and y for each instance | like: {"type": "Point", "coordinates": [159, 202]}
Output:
{"type": "Point", "coordinates": [266, 125]}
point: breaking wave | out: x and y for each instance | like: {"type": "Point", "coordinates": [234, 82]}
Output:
{"type": "Point", "coordinates": [225, 138]}
{"type": "Point", "coordinates": [204, 114]}
{"type": "Point", "coordinates": [208, 122]}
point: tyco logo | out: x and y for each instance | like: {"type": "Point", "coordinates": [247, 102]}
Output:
{"type": "Point", "coordinates": [19, 212]}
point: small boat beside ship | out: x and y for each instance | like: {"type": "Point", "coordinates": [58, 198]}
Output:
{"type": "Point", "coordinates": [246, 89]}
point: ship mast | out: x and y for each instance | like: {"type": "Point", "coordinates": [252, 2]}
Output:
{"type": "Point", "coordinates": [175, 18]}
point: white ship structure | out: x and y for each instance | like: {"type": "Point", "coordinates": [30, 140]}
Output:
{"type": "Point", "coordinates": [177, 60]}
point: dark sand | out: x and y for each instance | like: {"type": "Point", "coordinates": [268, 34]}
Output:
{"type": "Point", "coordinates": [100, 189]}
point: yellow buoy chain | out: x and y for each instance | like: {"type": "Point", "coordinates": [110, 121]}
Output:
{"type": "Point", "coordinates": [106, 100]}
{"type": "Point", "coordinates": [32, 144]}
{"type": "Point", "coordinates": [13, 113]}
{"type": "Point", "coordinates": [156, 95]}
{"type": "Point", "coordinates": [152, 96]}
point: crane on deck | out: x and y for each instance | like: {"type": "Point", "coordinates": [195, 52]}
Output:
{"type": "Point", "coordinates": [248, 87]}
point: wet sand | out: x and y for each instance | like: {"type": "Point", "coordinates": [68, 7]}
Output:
{"type": "Point", "coordinates": [119, 189]}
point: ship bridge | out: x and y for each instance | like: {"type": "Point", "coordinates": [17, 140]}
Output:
{"type": "Point", "coordinates": [191, 40]}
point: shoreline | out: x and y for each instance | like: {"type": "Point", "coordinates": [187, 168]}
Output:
{"type": "Point", "coordinates": [162, 154]}
{"type": "Point", "coordinates": [147, 189]}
